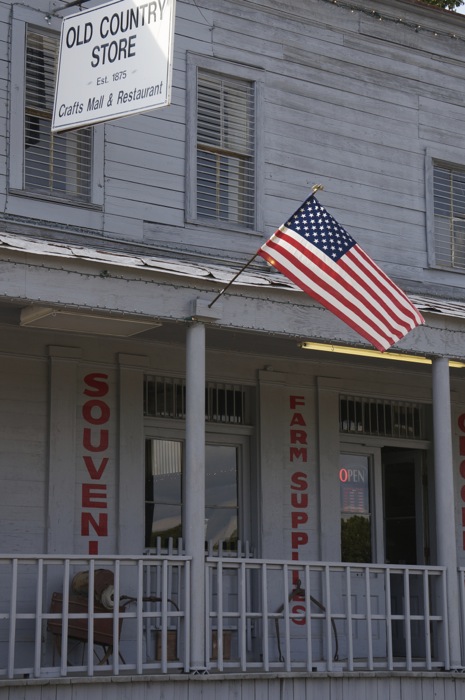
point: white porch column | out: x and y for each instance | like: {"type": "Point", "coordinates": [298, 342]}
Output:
{"type": "Point", "coordinates": [194, 488]}
{"type": "Point", "coordinates": [444, 491]}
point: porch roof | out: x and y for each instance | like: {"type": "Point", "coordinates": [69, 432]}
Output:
{"type": "Point", "coordinates": [261, 275]}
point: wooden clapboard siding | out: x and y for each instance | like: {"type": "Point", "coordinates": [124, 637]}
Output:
{"type": "Point", "coordinates": [23, 449]}
{"type": "Point", "coordinates": [316, 686]}
{"type": "Point", "coordinates": [349, 101]}
{"type": "Point", "coordinates": [4, 95]}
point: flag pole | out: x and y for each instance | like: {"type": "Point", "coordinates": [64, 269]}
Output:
{"type": "Point", "coordinates": [315, 189]}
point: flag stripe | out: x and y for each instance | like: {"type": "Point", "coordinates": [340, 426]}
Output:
{"type": "Point", "coordinates": [393, 305]}
{"type": "Point", "coordinates": [401, 299]}
{"type": "Point", "coordinates": [329, 292]}
{"type": "Point", "coordinates": [372, 336]}
{"type": "Point", "coordinates": [354, 295]}
{"type": "Point", "coordinates": [308, 261]}
{"type": "Point", "coordinates": [316, 253]}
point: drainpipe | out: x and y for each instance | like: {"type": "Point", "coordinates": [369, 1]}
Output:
{"type": "Point", "coordinates": [194, 489]}
{"type": "Point", "coordinates": [445, 500]}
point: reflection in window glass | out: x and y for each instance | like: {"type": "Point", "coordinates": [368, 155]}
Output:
{"type": "Point", "coordinates": [54, 164]}
{"type": "Point", "coordinates": [354, 479]}
{"type": "Point", "coordinates": [163, 500]}
{"type": "Point", "coordinates": [163, 494]}
{"type": "Point", "coordinates": [221, 513]}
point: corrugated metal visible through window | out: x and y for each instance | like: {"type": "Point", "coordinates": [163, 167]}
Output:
{"type": "Point", "coordinates": [449, 216]}
{"type": "Point", "coordinates": [57, 165]}
{"type": "Point", "coordinates": [225, 149]}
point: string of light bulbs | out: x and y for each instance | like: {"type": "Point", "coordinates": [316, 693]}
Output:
{"type": "Point", "coordinates": [382, 17]}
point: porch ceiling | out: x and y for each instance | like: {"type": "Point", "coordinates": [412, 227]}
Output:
{"type": "Point", "coordinates": [266, 346]}
{"type": "Point", "coordinates": [263, 313]}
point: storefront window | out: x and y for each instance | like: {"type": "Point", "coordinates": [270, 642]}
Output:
{"type": "Point", "coordinates": [221, 511]}
{"type": "Point", "coordinates": [163, 493]}
{"type": "Point", "coordinates": [356, 520]}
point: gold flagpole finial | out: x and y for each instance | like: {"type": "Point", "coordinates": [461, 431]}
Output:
{"type": "Point", "coordinates": [316, 188]}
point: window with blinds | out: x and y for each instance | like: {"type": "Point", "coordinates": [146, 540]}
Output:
{"type": "Point", "coordinates": [449, 216]}
{"type": "Point", "coordinates": [225, 149]}
{"type": "Point", "coordinates": [54, 165]}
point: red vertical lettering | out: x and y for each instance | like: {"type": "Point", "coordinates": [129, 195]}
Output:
{"type": "Point", "coordinates": [91, 495]}
{"type": "Point", "coordinates": [100, 527]}
{"type": "Point", "coordinates": [96, 412]}
{"type": "Point", "coordinates": [298, 454]}
{"type": "Point", "coordinates": [461, 425]}
{"type": "Point", "coordinates": [299, 500]}
{"type": "Point", "coordinates": [461, 422]}
{"type": "Point", "coordinates": [97, 383]}
{"type": "Point", "coordinates": [295, 401]}
{"type": "Point", "coordinates": [298, 519]}
{"type": "Point", "coordinates": [298, 436]}
{"type": "Point", "coordinates": [298, 539]}
{"type": "Point", "coordinates": [299, 610]}
{"type": "Point", "coordinates": [95, 473]}
{"type": "Point", "coordinates": [87, 441]}
{"type": "Point", "coordinates": [299, 481]}
{"type": "Point", "coordinates": [297, 419]}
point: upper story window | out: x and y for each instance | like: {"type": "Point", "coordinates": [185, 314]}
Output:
{"type": "Point", "coordinates": [225, 149]}
{"type": "Point", "coordinates": [449, 216]}
{"type": "Point", "coordinates": [54, 164]}
{"type": "Point", "coordinates": [66, 168]}
{"type": "Point", "coordinates": [224, 145]}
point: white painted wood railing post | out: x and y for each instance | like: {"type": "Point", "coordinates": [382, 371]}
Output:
{"type": "Point", "coordinates": [444, 491]}
{"type": "Point", "coordinates": [194, 488]}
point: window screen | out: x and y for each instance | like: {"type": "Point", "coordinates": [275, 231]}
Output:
{"type": "Point", "coordinates": [54, 165]}
{"type": "Point", "coordinates": [449, 216]}
{"type": "Point", "coordinates": [225, 149]}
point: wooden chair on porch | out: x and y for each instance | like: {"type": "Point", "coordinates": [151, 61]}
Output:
{"type": "Point", "coordinates": [78, 629]}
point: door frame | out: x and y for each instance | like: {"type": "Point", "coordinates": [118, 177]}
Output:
{"type": "Point", "coordinates": [375, 492]}
{"type": "Point", "coordinates": [422, 512]}
{"type": "Point", "coordinates": [237, 436]}
{"type": "Point", "coordinates": [372, 446]}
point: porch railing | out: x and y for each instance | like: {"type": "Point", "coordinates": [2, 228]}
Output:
{"type": "Point", "coordinates": [47, 629]}
{"type": "Point", "coordinates": [462, 609]}
{"type": "Point", "coordinates": [271, 615]}
{"type": "Point", "coordinates": [261, 615]}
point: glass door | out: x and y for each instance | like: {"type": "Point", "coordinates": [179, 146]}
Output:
{"type": "Point", "coordinates": [360, 499]}
{"type": "Point", "coordinates": [356, 505]}
{"type": "Point", "coordinates": [227, 491]}
{"type": "Point", "coordinates": [406, 534]}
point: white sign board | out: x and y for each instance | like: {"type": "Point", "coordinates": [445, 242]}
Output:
{"type": "Point", "coordinates": [115, 60]}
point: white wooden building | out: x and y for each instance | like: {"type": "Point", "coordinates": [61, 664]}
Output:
{"type": "Point", "coordinates": [279, 520]}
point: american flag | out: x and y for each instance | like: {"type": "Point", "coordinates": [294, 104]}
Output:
{"type": "Point", "coordinates": [318, 254]}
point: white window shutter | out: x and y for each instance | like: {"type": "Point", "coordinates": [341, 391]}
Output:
{"type": "Point", "coordinates": [226, 156]}
{"type": "Point", "coordinates": [54, 165]}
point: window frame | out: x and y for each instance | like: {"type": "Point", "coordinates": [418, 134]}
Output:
{"type": "Point", "coordinates": [215, 435]}
{"type": "Point", "coordinates": [373, 456]}
{"type": "Point", "coordinates": [448, 160]}
{"type": "Point", "coordinates": [229, 70]}
{"type": "Point", "coordinates": [23, 18]}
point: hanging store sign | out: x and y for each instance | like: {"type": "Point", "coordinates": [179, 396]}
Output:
{"type": "Point", "coordinates": [114, 61]}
